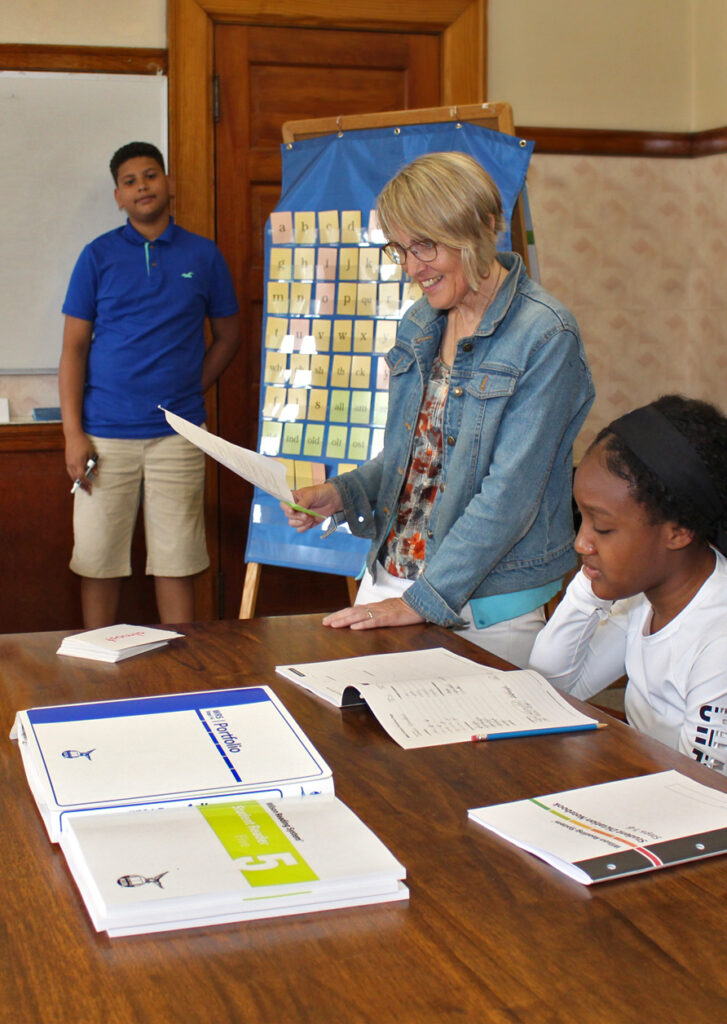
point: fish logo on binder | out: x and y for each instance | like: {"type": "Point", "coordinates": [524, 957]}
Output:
{"type": "Point", "coordinates": [78, 753]}
{"type": "Point", "coordinates": [131, 881]}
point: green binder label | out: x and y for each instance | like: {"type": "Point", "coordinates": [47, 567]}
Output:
{"type": "Point", "coordinates": [257, 843]}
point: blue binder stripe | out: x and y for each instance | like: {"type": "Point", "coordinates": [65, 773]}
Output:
{"type": "Point", "coordinates": [220, 751]}
{"type": "Point", "coordinates": [148, 705]}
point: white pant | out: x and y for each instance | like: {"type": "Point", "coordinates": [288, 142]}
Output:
{"type": "Point", "coordinates": [512, 640]}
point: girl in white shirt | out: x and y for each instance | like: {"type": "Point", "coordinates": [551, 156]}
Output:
{"type": "Point", "coordinates": [651, 598]}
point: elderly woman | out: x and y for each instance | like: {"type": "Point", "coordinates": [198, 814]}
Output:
{"type": "Point", "coordinates": [469, 503]}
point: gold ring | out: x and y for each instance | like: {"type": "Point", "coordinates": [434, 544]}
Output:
{"type": "Point", "coordinates": [370, 614]}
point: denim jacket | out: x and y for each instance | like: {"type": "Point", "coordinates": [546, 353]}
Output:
{"type": "Point", "coordinates": [519, 392]}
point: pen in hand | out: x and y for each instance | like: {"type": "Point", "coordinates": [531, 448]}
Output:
{"type": "Point", "coordinates": [90, 469]}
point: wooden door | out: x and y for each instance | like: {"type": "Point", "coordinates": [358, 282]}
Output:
{"type": "Point", "coordinates": [268, 76]}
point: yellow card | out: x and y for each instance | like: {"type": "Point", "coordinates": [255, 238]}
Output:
{"type": "Point", "coordinates": [313, 444]}
{"type": "Point", "coordinates": [368, 264]}
{"type": "Point", "coordinates": [276, 328]}
{"type": "Point", "coordinates": [280, 264]}
{"type": "Point", "coordinates": [305, 228]}
{"type": "Point", "coordinates": [340, 401]}
{"type": "Point", "coordinates": [385, 335]}
{"type": "Point", "coordinates": [341, 372]}
{"type": "Point", "coordinates": [342, 335]}
{"type": "Point", "coordinates": [412, 293]}
{"type": "Point", "coordinates": [328, 230]}
{"type": "Point", "coordinates": [276, 365]}
{"type": "Point", "coordinates": [381, 408]}
{"type": "Point", "coordinates": [360, 371]}
{"type": "Point", "coordinates": [326, 263]}
{"type": "Point", "coordinates": [346, 304]}
{"type": "Point", "coordinates": [317, 404]}
{"type": "Point", "coordinates": [360, 406]}
{"type": "Point", "coordinates": [274, 402]}
{"type": "Point", "coordinates": [281, 225]}
{"type": "Point", "coordinates": [325, 299]}
{"type": "Point", "coordinates": [388, 270]}
{"type": "Point", "coordinates": [319, 371]}
{"type": "Point", "coordinates": [363, 336]}
{"type": "Point", "coordinates": [300, 375]}
{"type": "Point", "coordinates": [322, 335]}
{"type": "Point", "coordinates": [336, 447]}
{"type": "Point", "coordinates": [351, 226]}
{"type": "Point", "coordinates": [292, 438]}
{"type": "Point", "coordinates": [366, 300]}
{"type": "Point", "coordinates": [270, 437]}
{"type": "Point", "coordinates": [348, 265]}
{"type": "Point", "coordinates": [303, 472]}
{"type": "Point", "coordinates": [346, 467]}
{"type": "Point", "coordinates": [298, 402]}
{"type": "Point", "coordinates": [304, 264]}
{"type": "Point", "coordinates": [278, 297]}
{"type": "Point", "coordinates": [300, 299]}
{"type": "Point", "coordinates": [358, 443]}
{"type": "Point", "coordinates": [389, 301]}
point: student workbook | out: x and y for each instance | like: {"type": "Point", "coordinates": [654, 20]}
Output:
{"type": "Point", "coordinates": [175, 748]}
{"type": "Point", "coordinates": [428, 698]}
{"type": "Point", "coordinates": [194, 809]}
{"type": "Point", "coordinates": [617, 828]}
{"type": "Point", "coordinates": [182, 867]}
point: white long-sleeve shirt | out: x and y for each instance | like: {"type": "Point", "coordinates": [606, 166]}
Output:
{"type": "Point", "coordinates": [677, 677]}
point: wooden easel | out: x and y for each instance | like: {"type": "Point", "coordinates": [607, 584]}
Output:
{"type": "Point", "coordinates": [496, 116]}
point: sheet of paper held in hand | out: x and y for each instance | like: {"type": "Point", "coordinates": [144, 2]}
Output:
{"type": "Point", "coordinates": [432, 697]}
{"type": "Point", "coordinates": [266, 473]}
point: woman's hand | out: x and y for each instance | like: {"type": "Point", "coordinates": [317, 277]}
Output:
{"type": "Point", "coordinates": [321, 498]}
{"type": "Point", "coordinates": [390, 612]}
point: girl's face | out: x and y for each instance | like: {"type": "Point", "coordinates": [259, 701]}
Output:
{"type": "Point", "coordinates": [623, 552]}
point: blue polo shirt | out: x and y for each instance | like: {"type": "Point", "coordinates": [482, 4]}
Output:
{"type": "Point", "coordinates": [148, 302]}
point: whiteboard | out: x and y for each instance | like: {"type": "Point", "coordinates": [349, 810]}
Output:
{"type": "Point", "coordinates": [58, 134]}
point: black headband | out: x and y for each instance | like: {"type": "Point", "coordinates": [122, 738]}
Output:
{"type": "Point", "coordinates": [667, 453]}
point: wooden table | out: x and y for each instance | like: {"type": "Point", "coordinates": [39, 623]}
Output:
{"type": "Point", "coordinates": [490, 934]}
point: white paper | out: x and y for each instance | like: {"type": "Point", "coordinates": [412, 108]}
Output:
{"type": "Point", "coordinates": [575, 830]}
{"type": "Point", "coordinates": [427, 698]}
{"type": "Point", "coordinates": [266, 473]}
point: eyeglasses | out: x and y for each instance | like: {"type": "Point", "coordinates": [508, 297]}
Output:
{"type": "Point", "coordinates": [425, 250]}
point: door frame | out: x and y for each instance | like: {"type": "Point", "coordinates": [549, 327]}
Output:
{"type": "Point", "coordinates": [462, 27]}
{"type": "Point", "coordinates": [461, 24]}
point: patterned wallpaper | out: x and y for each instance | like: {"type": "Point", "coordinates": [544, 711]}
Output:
{"type": "Point", "coordinates": [637, 248]}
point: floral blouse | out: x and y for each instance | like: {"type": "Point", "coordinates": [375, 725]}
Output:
{"type": "Point", "coordinates": [406, 545]}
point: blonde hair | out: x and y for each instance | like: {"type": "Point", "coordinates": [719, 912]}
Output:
{"type": "Point", "coordinates": [448, 198]}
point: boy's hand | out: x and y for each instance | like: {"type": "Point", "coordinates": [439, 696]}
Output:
{"type": "Point", "coordinates": [78, 451]}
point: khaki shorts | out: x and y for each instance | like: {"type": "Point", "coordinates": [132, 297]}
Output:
{"type": "Point", "coordinates": [168, 473]}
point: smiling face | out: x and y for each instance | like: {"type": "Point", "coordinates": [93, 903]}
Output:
{"type": "Point", "coordinates": [623, 551]}
{"type": "Point", "coordinates": [443, 280]}
{"type": "Point", "coordinates": [142, 190]}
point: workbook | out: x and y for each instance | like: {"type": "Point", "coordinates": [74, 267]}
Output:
{"type": "Point", "coordinates": [616, 829]}
{"type": "Point", "coordinates": [428, 698]}
{"type": "Point", "coordinates": [114, 643]}
{"type": "Point", "coordinates": [195, 809]}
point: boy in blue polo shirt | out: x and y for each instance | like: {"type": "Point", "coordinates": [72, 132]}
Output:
{"type": "Point", "coordinates": [134, 339]}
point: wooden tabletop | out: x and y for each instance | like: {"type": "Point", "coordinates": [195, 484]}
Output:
{"type": "Point", "coordinates": [490, 934]}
